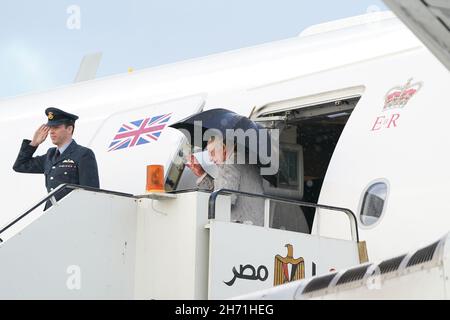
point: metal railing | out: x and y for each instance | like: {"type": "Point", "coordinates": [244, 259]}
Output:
{"type": "Point", "coordinates": [348, 212]}
{"type": "Point", "coordinates": [58, 191]}
{"type": "Point", "coordinates": [211, 203]}
{"type": "Point", "coordinates": [66, 186]}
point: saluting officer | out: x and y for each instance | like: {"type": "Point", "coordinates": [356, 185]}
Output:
{"type": "Point", "coordinates": [67, 163]}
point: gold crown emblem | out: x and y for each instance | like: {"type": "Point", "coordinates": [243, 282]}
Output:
{"type": "Point", "coordinates": [50, 116]}
{"type": "Point", "coordinates": [399, 96]}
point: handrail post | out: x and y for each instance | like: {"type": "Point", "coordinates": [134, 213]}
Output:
{"type": "Point", "coordinates": [266, 213]}
{"type": "Point", "coordinates": [212, 205]}
{"type": "Point", "coordinates": [354, 225]}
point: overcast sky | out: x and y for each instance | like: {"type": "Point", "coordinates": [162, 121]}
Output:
{"type": "Point", "coordinates": [42, 42]}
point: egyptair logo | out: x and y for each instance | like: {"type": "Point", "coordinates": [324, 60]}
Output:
{"type": "Point", "coordinates": [288, 268]}
{"type": "Point", "coordinates": [399, 96]}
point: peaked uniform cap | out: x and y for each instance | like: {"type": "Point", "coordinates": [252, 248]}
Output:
{"type": "Point", "coordinates": [57, 116]}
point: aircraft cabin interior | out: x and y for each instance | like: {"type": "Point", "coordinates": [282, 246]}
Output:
{"type": "Point", "coordinates": [308, 138]}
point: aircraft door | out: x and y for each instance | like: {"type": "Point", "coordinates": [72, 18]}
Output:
{"type": "Point", "coordinates": [128, 141]}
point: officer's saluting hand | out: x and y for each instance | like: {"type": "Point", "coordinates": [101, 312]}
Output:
{"type": "Point", "coordinates": [40, 135]}
{"type": "Point", "coordinates": [67, 163]}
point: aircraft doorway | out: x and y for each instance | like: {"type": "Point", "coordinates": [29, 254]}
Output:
{"type": "Point", "coordinates": [308, 138]}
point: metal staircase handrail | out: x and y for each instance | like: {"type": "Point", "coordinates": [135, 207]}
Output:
{"type": "Point", "coordinates": [215, 194]}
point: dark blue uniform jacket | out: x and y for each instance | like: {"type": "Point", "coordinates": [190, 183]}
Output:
{"type": "Point", "coordinates": [75, 165]}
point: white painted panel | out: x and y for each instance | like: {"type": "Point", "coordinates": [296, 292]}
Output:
{"type": "Point", "coordinates": [90, 235]}
{"type": "Point", "coordinates": [234, 245]}
{"type": "Point", "coordinates": [129, 164]}
{"type": "Point", "coordinates": [172, 252]}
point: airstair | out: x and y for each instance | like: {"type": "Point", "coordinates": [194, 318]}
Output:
{"type": "Point", "coordinates": [99, 244]}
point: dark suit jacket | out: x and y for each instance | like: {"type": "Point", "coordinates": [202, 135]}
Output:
{"type": "Point", "coordinates": [76, 165]}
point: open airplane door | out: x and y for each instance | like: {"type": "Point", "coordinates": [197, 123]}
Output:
{"type": "Point", "coordinates": [430, 22]}
{"type": "Point", "coordinates": [130, 140]}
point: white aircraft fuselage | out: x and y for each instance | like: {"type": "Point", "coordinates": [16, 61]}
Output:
{"type": "Point", "coordinates": [404, 146]}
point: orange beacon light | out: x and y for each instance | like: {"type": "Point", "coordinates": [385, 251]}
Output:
{"type": "Point", "coordinates": [155, 178]}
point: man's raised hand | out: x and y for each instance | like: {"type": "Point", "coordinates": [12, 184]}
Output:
{"type": "Point", "coordinates": [195, 166]}
{"type": "Point", "coordinates": [40, 135]}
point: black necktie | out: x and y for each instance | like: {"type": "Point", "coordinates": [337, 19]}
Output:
{"type": "Point", "coordinates": [57, 154]}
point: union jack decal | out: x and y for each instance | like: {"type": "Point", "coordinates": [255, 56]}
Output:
{"type": "Point", "coordinates": [138, 132]}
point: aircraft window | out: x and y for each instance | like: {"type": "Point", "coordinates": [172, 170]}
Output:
{"type": "Point", "coordinates": [289, 169]}
{"type": "Point", "coordinates": [373, 203]}
{"type": "Point", "coordinates": [179, 176]}
{"type": "Point", "coordinates": [290, 173]}
{"type": "Point", "coordinates": [177, 166]}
